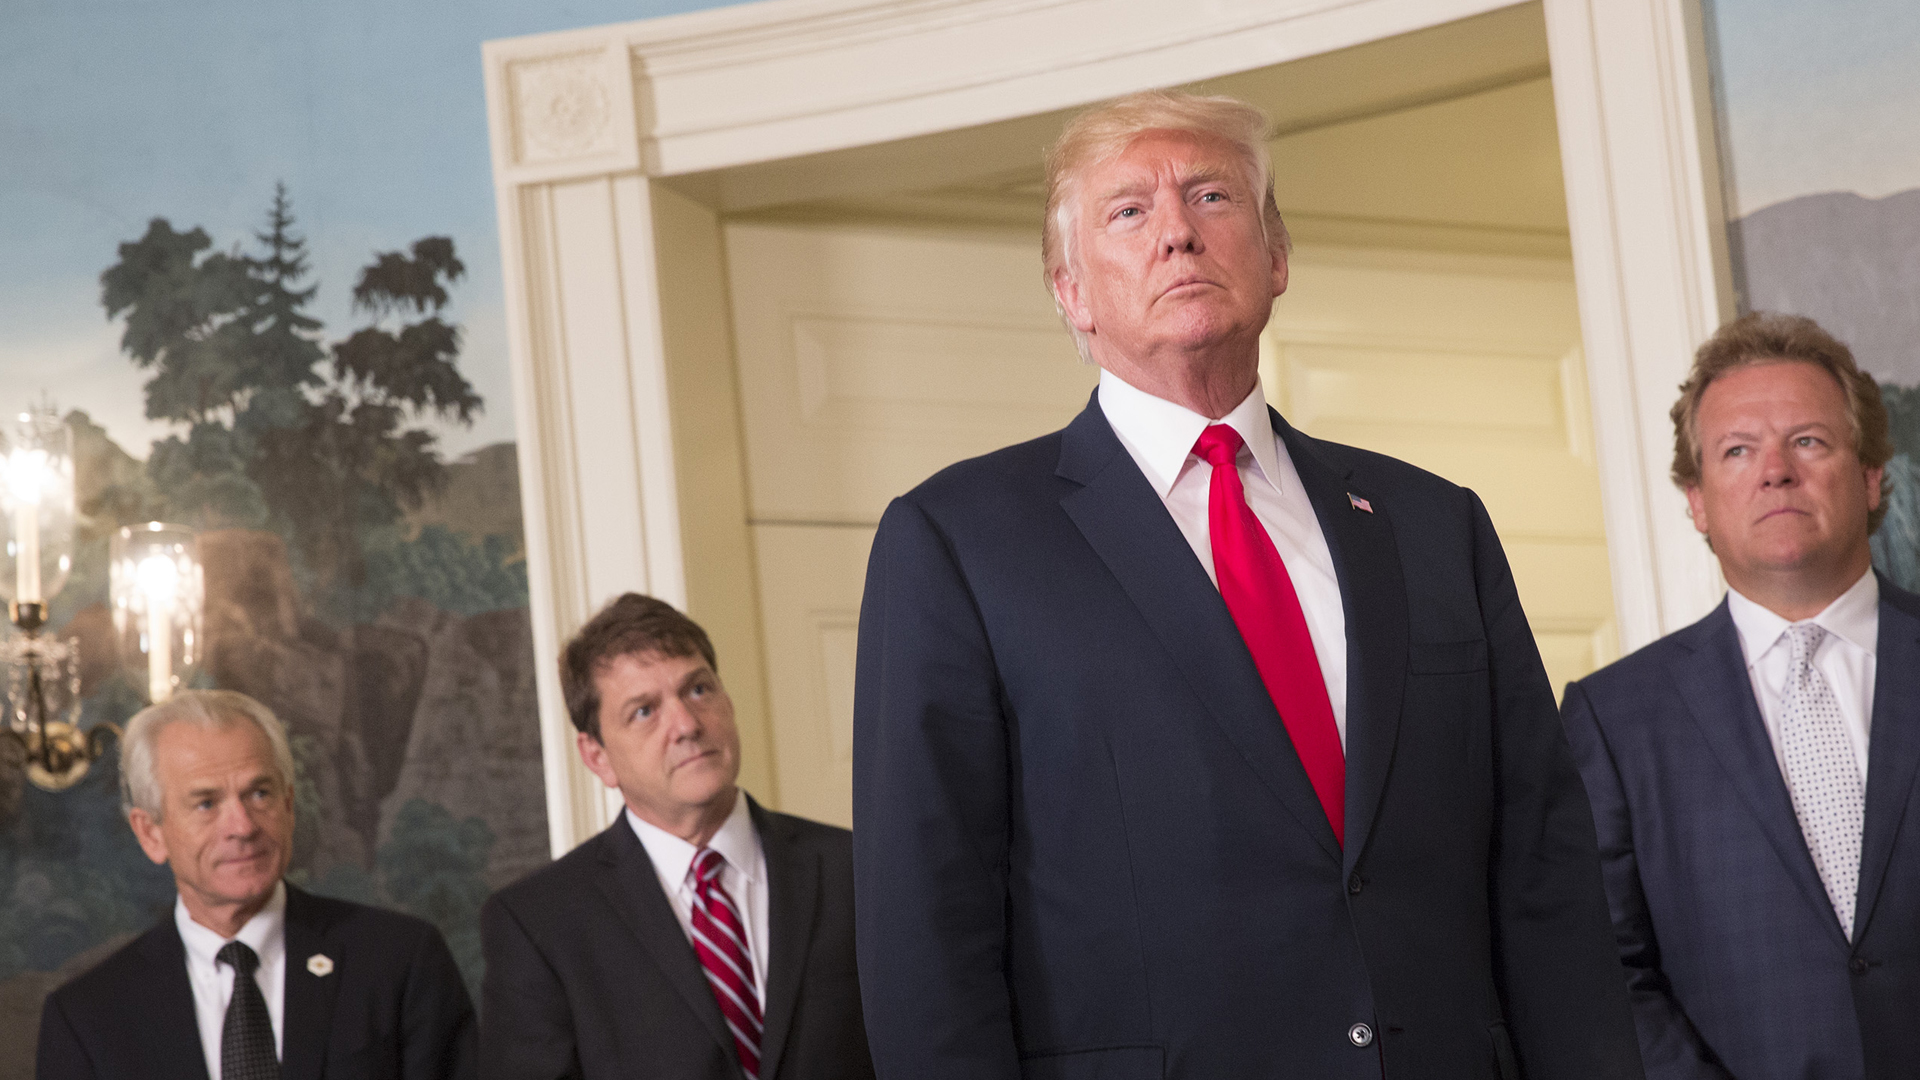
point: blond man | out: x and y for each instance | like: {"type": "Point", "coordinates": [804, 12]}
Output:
{"type": "Point", "coordinates": [1189, 746]}
{"type": "Point", "coordinates": [1751, 773]}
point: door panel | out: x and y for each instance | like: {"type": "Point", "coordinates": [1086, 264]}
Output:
{"type": "Point", "coordinates": [869, 359]}
{"type": "Point", "coordinates": [1470, 367]}
{"type": "Point", "coordinates": [810, 587]}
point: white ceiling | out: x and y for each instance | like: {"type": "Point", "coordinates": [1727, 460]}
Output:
{"type": "Point", "coordinates": [1443, 138]}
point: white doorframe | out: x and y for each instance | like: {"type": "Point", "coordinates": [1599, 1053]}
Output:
{"type": "Point", "coordinates": [1650, 268]}
{"type": "Point", "coordinates": [584, 124]}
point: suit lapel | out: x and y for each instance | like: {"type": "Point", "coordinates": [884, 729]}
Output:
{"type": "Point", "coordinates": [1130, 530]}
{"type": "Point", "coordinates": [1373, 595]}
{"type": "Point", "coordinates": [308, 1007]}
{"type": "Point", "coordinates": [167, 1010]}
{"type": "Point", "coordinates": [1713, 683]}
{"type": "Point", "coordinates": [793, 899]}
{"type": "Point", "coordinates": [1893, 749]}
{"type": "Point", "coordinates": [630, 885]}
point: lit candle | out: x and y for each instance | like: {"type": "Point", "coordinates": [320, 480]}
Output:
{"type": "Point", "coordinates": [24, 469]}
{"type": "Point", "coordinates": [159, 581]}
{"type": "Point", "coordinates": [26, 526]}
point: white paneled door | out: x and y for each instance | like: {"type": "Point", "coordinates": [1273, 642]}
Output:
{"type": "Point", "coordinates": [869, 360]}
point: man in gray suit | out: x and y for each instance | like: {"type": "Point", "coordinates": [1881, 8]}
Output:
{"type": "Point", "coordinates": [1749, 774]}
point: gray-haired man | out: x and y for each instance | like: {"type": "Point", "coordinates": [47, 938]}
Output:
{"type": "Point", "coordinates": [249, 978]}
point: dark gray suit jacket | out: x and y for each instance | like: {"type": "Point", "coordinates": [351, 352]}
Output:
{"type": "Point", "coordinates": [392, 1008]}
{"type": "Point", "coordinates": [589, 973]}
{"type": "Point", "coordinates": [1736, 960]}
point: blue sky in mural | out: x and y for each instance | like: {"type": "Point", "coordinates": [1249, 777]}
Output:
{"type": "Point", "coordinates": [1788, 68]}
{"type": "Point", "coordinates": [372, 112]}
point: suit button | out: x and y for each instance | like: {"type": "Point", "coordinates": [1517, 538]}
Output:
{"type": "Point", "coordinates": [1360, 1035]}
{"type": "Point", "coordinates": [1354, 884]}
{"type": "Point", "coordinates": [1858, 965]}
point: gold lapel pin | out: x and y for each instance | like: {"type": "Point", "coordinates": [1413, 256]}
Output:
{"type": "Point", "coordinates": [320, 964]}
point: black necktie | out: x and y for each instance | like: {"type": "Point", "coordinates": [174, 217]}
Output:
{"type": "Point", "coordinates": [246, 1039]}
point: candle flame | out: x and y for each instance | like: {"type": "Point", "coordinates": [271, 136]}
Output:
{"type": "Point", "coordinates": [159, 578]}
{"type": "Point", "coordinates": [27, 475]}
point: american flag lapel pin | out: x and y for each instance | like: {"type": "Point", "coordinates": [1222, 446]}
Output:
{"type": "Point", "coordinates": [1359, 503]}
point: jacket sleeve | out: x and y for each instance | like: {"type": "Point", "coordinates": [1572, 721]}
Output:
{"type": "Point", "coordinates": [439, 1032]}
{"type": "Point", "coordinates": [59, 1055]}
{"type": "Point", "coordinates": [1671, 1047]}
{"type": "Point", "coordinates": [1562, 991]}
{"type": "Point", "coordinates": [930, 807]}
{"type": "Point", "coordinates": [526, 1029]}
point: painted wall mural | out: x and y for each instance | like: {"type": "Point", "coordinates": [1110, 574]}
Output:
{"type": "Point", "coordinates": [248, 254]}
{"type": "Point", "coordinates": [1815, 104]}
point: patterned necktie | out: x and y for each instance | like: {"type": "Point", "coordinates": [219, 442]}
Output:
{"type": "Point", "coordinates": [1260, 597]}
{"type": "Point", "coordinates": [720, 938]}
{"type": "Point", "coordinates": [1823, 777]}
{"type": "Point", "coordinates": [246, 1037]}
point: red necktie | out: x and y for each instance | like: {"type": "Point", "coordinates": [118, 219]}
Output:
{"type": "Point", "coordinates": [720, 937]}
{"type": "Point", "coordinates": [1260, 597]}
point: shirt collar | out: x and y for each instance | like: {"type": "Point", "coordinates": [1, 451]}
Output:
{"type": "Point", "coordinates": [264, 933]}
{"type": "Point", "coordinates": [1853, 617]}
{"type": "Point", "coordinates": [1160, 434]}
{"type": "Point", "coordinates": [672, 857]}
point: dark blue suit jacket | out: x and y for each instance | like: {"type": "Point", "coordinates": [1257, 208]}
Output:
{"type": "Point", "coordinates": [1085, 847]}
{"type": "Point", "coordinates": [392, 1008]}
{"type": "Point", "coordinates": [1737, 962]}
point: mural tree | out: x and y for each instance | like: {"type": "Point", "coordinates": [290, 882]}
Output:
{"type": "Point", "coordinates": [385, 630]}
{"type": "Point", "coordinates": [1896, 545]}
{"type": "Point", "coordinates": [322, 445]}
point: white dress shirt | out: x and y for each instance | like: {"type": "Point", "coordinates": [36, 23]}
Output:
{"type": "Point", "coordinates": [212, 981]}
{"type": "Point", "coordinates": [1845, 657]}
{"type": "Point", "coordinates": [745, 877]}
{"type": "Point", "coordinates": [1160, 437]}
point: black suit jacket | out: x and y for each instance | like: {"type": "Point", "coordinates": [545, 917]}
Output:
{"type": "Point", "coordinates": [1085, 847]}
{"type": "Point", "coordinates": [590, 975]}
{"type": "Point", "coordinates": [1737, 961]}
{"type": "Point", "coordinates": [393, 1007]}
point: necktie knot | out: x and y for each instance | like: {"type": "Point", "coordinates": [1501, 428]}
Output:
{"type": "Point", "coordinates": [236, 955]}
{"type": "Point", "coordinates": [1804, 640]}
{"type": "Point", "coordinates": [707, 864]}
{"type": "Point", "coordinates": [1218, 445]}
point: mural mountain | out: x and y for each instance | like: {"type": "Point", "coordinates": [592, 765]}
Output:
{"type": "Point", "coordinates": [1852, 264]}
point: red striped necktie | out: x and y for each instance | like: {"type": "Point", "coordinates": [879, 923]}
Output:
{"type": "Point", "coordinates": [1260, 597]}
{"type": "Point", "coordinates": [720, 938]}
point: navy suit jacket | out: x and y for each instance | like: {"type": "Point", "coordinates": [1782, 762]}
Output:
{"type": "Point", "coordinates": [392, 1008]}
{"type": "Point", "coordinates": [1084, 846]}
{"type": "Point", "coordinates": [1737, 962]}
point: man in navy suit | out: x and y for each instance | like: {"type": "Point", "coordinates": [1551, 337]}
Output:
{"type": "Point", "coordinates": [1750, 774]}
{"type": "Point", "coordinates": [248, 977]}
{"type": "Point", "coordinates": [1188, 746]}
